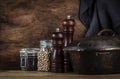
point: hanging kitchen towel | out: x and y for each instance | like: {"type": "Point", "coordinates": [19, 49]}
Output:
{"type": "Point", "coordinates": [100, 14]}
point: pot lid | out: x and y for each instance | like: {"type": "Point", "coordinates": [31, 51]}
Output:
{"type": "Point", "coordinates": [98, 43]}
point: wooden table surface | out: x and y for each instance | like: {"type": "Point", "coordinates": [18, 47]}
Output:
{"type": "Point", "coordinates": [49, 75]}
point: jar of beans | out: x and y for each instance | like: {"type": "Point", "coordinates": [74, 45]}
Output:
{"type": "Point", "coordinates": [44, 55]}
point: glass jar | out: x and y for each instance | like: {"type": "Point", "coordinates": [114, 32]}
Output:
{"type": "Point", "coordinates": [45, 43]}
{"type": "Point", "coordinates": [44, 55]}
{"type": "Point", "coordinates": [28, 58]}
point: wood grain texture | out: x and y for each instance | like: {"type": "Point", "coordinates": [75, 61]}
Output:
{"type": "Point", "coordinates": [48, 75]}
{"type": "Point", "coordinates": [23, 23]}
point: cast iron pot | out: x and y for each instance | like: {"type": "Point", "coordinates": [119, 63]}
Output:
{"type": "Point", "coordinates": [96, 55]}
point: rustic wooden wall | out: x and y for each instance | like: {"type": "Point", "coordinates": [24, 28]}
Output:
{"type": "Point", "coordinates": [23, 23]}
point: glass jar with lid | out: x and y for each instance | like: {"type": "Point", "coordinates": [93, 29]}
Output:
{"type": "Point", "coordinates": [28, 58]}
{"type": "Point", "coordinates": [44, 55]}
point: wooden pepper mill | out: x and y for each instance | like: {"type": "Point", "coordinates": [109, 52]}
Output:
{"type": "Point", "coordinates": [68, 31]}
{"type": "Point", "coordinates": [57, 60]}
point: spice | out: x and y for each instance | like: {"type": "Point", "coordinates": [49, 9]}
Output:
{"type": "Point", "coordinates": [28, 58]}
{"type": "Point", "coordinates": [44, 60]}
{"type": "Point", "coordinates": [44, 55]}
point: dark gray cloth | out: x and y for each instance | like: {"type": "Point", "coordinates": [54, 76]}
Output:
{"type": "Point", "coordinates": [99, 14]}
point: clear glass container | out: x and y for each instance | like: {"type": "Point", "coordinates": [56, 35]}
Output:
{"type": "Point", "coordinates": [44, 55]}
{"type": "Point", "coordinates": [45, 43]}
{"type": "Point", "coordinates": [28, 58]}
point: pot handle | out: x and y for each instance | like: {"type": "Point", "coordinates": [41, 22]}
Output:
{"type": "Point", "coordinates": [106, 32]}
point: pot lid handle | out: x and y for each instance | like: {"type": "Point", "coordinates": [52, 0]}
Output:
{"type": "Point", "coordinates": [106, 32]}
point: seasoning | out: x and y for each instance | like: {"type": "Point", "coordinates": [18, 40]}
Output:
{"type": "Point", "coordinates": [43, 60]}
{"type": "Point", "coordinates": [28, 58]}
{"type": "Point", "coordinates": [44, 55]}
